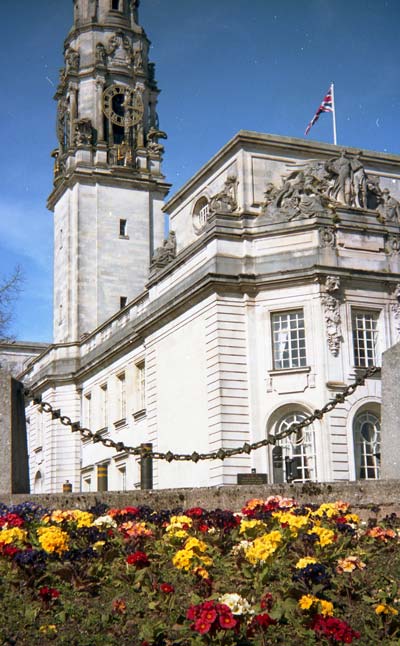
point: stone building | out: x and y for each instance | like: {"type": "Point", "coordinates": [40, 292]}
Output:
{"type": "Point", "coordinates": [279, 281]}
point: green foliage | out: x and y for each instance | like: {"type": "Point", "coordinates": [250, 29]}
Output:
{"type": "Point", "coordinates": [276, 573]}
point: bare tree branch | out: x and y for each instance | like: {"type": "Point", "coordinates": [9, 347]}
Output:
{"type": "Point", "coordinates": [10, 287]}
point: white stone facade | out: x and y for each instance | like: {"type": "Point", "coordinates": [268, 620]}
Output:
{"type": "Point", "coordinates": [283, 288]}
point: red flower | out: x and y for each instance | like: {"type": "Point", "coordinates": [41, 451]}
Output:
{"type": "Point", "coordinates": [195, 512]}
{"type": "Point", "coordinates": [167, 588]}
{"type": "Point", "coordinates": [203, 527]}
{"type": "Point", "coordinates": [138, 559]}
{"type": "Point", "coordinates": [48, 594]}
{"type": "Point", "coordinates": [8, 550]}
{"type": "Point", "coordinates": [266, 601]}
{"type": "Point", "coordinates": [11, 520]}
{"type": "Point", "coordinates": [226, 620]}
{"type": "Point", "coordinates": [209, 615]}
{"type": "Point", "coordinates": [263, 620]}
{"type": "Point", "coordinates": [335, 628]}
{"type": "Point", "coordinates": [202, 626]}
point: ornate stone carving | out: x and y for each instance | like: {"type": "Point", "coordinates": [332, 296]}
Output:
{"type": "Point", "coordinates": [83, 132]}
{"type": "Point", "coordinates": [119, 47]}
{"type": "Point", "coordinates": [72, 60]}
{"type": "Point", "coordinates": [319, 187]}
{"type": "Point", "coordinates": [153, 136]}
{"type": "Point", "coordinates": [225, 201]}
{"type": "Point", "coordinates": [327, 237]}
{"type": "Point", "coordinates": [396, 311]}
{"type": "Point", "coordinates": [332, 318]}
{"type": "Point", "coordinates": [393, 245]}
{"type": "Point", "coordinates": [163, 255]}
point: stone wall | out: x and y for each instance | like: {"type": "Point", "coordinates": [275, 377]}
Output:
{"type": "Point", "coordinates": [366, 498]}
{"type": "Point", "coordinates": [390, 444]}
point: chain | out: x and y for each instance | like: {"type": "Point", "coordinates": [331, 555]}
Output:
{"type": "Point", "coordinates": [221, 454]}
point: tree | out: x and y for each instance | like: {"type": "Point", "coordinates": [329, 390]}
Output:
{"type": "Point", "coordinates": [10, 287]}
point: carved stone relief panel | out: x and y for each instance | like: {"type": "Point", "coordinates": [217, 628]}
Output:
{"type": "Point", "coordinates": [331, 303]}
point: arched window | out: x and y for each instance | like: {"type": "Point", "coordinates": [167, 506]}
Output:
{"type": "Point", "coordinates": [201, 212]}
{"type": "Point", "coordinates": [38, 483]}
{"type": "Point", "coordinates": [294, 457]}
{"type": "Point", "coordinates": [367, 431]}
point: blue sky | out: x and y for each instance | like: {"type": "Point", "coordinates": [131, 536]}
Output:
{"type": "Point", "coordinates": [222, 65]}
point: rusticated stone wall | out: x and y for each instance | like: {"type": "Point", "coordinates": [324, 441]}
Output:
{"type": "Point", "coordinates": [366, 498]}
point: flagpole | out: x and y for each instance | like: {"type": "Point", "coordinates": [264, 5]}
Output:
{"type": "Point", "coordinates": [333, 115]}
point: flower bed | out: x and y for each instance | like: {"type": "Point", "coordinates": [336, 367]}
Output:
{"type": "Point", "coordinates": [275, 573]}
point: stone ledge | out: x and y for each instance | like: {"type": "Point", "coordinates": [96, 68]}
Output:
{"type": "Point", "coordinates": [364, 497]}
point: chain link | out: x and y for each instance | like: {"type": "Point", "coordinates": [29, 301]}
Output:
{"type": "Point", "coordinates": [145, 451]}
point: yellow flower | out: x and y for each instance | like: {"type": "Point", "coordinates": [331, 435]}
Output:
{"type": "Point", "coordinates": [179, 522]}
{"type": "Point", "coordinates": [194, 544]}
{"type": "Point", "coordinates": [385, 609]}
{"type": "Point", "coordinates": [53, 539]}
{"type": "Point", "coordinates": [326, 536]}
{"type": "Point", "coordinates": [295, 522]}
{"type": "Point", "coordinates": [326, 607]}
{"type": "Point", "coordinates": [82, 518]}
{"type": "Point", "coordinates": [306, 601]}
{"type": "Point", "coordinates": [306, 560]}
{"type": "Point", "coordinates": [181, 560]}
{"type": "Point", "coordinates": [329, 509]}
{"type": "Point", "coordinates": [246, 526]}
{"type": "Point", "coordinates": [352, 518]}
{"type": "Point", "coordinates": [200, 571]}
{"type": "Point", "coordinates": [98, 545]}
{"type": "Point", "coordinates": [263, 547]}
{"type": "Point", "coordinates": [50, 630]}
{"type": "Point", "coordinates": [12, 535]}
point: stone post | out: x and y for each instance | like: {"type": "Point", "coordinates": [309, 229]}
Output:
{"type": "Point", "coordinates": [390, 443]}
{"type": "Point", "coordinates": [14, 475]}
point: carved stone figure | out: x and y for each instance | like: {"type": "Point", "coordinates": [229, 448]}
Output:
{"type": "Point", "coordinates": [359, 182]}
{"type": "Point", "coordinates": [112, 45]}
{"type": "Point", "coordinates": [341, 167]}
{"type": "Point", "coordinates": [163, 255]}
{"type": "Point", "coordinates": [101, 54]}
{"type": "Point", "coordinates": [389, 207]}
{"type": "Point", "coordinates": [332, 314]}
{"type": "Point", "coordinates": [317, 187]}
{"type": "Point", "coordinates": [138, 65]}
{"type": "Point", "coordinates": [225, 200]}
{"type": "Point", "coordinates": [83, 132]}
{"type": "Point", "coordinates": [72, 59]}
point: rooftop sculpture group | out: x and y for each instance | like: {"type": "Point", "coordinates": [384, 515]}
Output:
{"type": "Point", "coordinates": [318, 187]}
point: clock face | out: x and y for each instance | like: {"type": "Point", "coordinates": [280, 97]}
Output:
{"type": "Point", "coordinates": [122, 105]}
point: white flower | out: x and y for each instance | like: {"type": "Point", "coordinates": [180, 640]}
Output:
{"type": "Point", "coordinates": [237, 604]}
{"type": "Point", "coordinates": [105, 520]}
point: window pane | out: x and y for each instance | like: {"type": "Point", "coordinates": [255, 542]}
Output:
{"type": "Point", "coordinates": [298, 450]}
{"type": "Point", "coordinates": [365, 337]}
{"type": "Point", "coordinates": [367, 446]}
{"type": "Point", "coordinates": [288, 339]}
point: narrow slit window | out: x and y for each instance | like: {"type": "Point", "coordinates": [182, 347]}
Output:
{"type": "Point", "coordinates": [123, 230]}
{"type": "Point", "coordinates": [115, 5]}
{"type": "Point", "coordinates": [122, 301]}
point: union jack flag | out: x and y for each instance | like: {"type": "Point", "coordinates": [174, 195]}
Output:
{"type": "Point", "coordinates": [326, 106]}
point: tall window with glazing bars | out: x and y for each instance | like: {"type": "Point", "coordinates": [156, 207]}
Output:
{"type": "Point", "coordinates": [365, 338]}
{"type": "Point", "coordinates": [288, 339]}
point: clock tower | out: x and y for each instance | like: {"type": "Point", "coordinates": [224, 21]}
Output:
{"type": "Point", "coordinates": [108, 185]}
